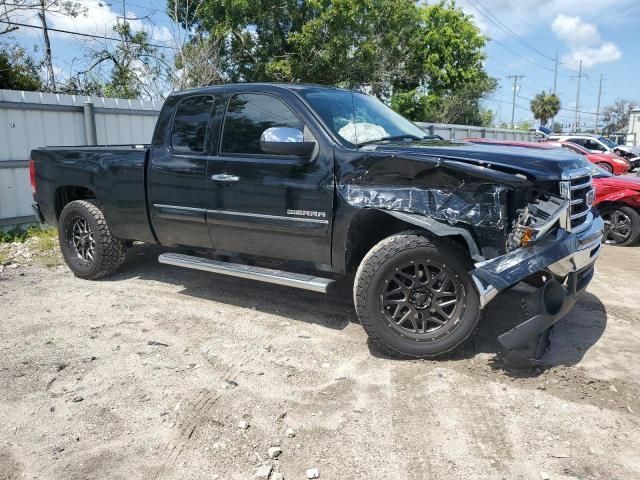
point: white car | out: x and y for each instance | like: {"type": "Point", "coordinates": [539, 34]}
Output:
{"type": "Point", "coordinates": [599, 144]}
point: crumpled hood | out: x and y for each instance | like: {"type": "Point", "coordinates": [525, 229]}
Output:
{"type": "Point", "coordinates": [543, 164]}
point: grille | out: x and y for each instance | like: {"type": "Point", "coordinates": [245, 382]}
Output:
{"type": "Point", "coordinates": [581, 196]}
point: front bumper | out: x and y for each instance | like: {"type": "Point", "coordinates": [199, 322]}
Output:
{"type": "Point", "coordinates": [569, 255]}
{"type": "Point", "coordinates": [561, 253]}
{"type": "Point", "coordinates": [634, 163]}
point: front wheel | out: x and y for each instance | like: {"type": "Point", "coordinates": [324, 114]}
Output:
{"type": "Point", "coordinates": [621, 225]}
{"type": "Point", "coordinates": [414, 297]}
{"type": "Point", "coordinates": [87, 245]}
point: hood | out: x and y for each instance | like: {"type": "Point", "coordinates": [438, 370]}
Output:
{"type": "Point", "coordinates": [626, 148]}
{"type": "Point", "coordinates": [541, 163]}
{"type": "Point", "coordinates": [622, 182]}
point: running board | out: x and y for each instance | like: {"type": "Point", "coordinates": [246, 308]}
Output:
{"type": "Point", "coordinates": [306, 282]}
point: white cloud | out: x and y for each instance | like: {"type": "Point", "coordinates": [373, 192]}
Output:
{"type": "Point", "coordinates": [584, 42]}
{"type": "Point", "coordinates": [98, 19]}
{"type": "Point", "coordinates": [591, 56]}
{"type": "Point", "coordinates": [574, 31]}
{"type": "Point", "coordinates": [524, 16]}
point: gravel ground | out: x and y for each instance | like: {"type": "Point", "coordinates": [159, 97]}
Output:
{"type": "Point", "coordinates": [163, 373]}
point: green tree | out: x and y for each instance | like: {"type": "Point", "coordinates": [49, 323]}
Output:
{"type": "Point", "coordinates": [545, 106]}
{"type": "Point", "coordinates": [557, 127]}
{"type": "Point", "coordinates": [130, 69]}
{"type": "Point", "coordinates": [616, 116]}
{"type": "Point", "coordinates": [392, 47]}
{"type": "Point", "coordinates": [351, 43]}
{"type": "Point", "coordinates": [18, 71]}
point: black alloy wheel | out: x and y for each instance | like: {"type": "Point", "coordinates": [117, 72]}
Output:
{"type": "Point", "coordinates": [422, 299]}
{"type": "Point", "coordinates": [80, 237]}
{"type": "Point", "coordinates": [621, 225]}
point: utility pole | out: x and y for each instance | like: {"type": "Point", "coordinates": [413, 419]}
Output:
{"type": "Point", "coordinates": [555, 83]}
{"type": "Point", "coordinates": [513, 106]}
{"type": "Point", "coordinates": [580, 75]}
{"type": "Point", "coordinates": [598, 107]}
{"type": "Point", "coordinates": [47, 48]}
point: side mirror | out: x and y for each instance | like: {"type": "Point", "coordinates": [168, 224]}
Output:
{"type": "Point", "coordinates": [285, 141]}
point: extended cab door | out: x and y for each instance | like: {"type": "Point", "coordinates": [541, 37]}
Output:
{"type": "Point", "coordinates": [264, 204]}
{"type": "Point", "coordinates": [177, 178]}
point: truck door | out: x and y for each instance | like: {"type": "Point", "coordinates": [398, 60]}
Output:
{"type": "Point", "coordinates": [265, 204]}
{"type": "Point", "coordinates": [177, 172]}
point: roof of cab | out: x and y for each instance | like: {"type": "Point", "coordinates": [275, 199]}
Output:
{"type": "Point", "coordinates": [242, 87]}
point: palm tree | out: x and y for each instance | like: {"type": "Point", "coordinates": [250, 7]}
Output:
{"type": "Point", "coordinates": [545, 106]}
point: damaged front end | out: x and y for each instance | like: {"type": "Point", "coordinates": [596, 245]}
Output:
{"type": "Point", "coordinates": [514, 227]}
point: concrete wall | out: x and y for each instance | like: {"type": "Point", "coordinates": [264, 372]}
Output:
{"type": "Point", "coordinates": [30, 120]}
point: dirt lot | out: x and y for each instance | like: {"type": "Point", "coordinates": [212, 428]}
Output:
{"type": "Point", "coordinates": [150, 374]}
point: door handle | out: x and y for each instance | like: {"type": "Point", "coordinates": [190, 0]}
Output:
{"type": "Point", "coordinates": [224, 177]}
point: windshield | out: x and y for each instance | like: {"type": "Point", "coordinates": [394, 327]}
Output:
{"type": "Point", "coordinates": [608, 142]}
{"type": "Point", "coordinates": [359, 118]}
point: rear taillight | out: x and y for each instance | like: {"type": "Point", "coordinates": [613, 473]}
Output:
{"type": "Point", "coordinates": [32, 175]}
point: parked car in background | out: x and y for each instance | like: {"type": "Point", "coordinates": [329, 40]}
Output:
{"type": "Point", "coordinates": [618, 199]}
{"type": "Point", "coordinates": [599, 144]}
{"type": "Point", "coordinates": [610, 163]}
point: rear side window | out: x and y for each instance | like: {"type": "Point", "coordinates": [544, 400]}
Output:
{"type": "Point", "coordinates": [190, 124]}
{"type": "Point", "coordinates": [250, 114]}
{"type": "Point", "coordinates": [577, 141]}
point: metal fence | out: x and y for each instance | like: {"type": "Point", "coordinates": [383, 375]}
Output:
{"type": "Point", "coordinates": [459, 132]}
{"type": "Point", "coordinates": [30, 120]}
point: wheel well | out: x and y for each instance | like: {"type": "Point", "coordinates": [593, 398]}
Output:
{"type": "Point", "coordinates": [609, 204]}
{"type": "Point", "coordinates": [371, 226]}
{"type": "Point", "coordinates": [68, 194]}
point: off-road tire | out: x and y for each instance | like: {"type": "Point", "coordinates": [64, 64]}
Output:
{"type": "Point", "coordinates": [635, 223]}
{"type": "Point", "coordinates": [380, 262]}
{"type": "Point", "coordinates": [108, 252]}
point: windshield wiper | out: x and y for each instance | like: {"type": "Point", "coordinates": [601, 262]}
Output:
{"type": "Point", "coordinates": [395, 137]}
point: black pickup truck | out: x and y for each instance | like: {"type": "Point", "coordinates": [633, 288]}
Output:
{"type": "Point", "coordinates": [324, 182]}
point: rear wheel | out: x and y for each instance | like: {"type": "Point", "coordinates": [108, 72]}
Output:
{"type": "Point", "coordinates": [621, 225]}
{"type": "Point", "coordinates": [605, 166]}
{"type": "Point", "coordinates": [414, 296]}
{"type": "Point", "coordinates": [87, 245]}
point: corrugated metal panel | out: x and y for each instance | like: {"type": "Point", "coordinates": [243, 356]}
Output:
{"type": "Point", "coordinates": [15, 193]}
{"type": "Point", "coordinates": [30, 120]}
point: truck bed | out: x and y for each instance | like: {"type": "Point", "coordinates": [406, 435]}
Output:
{"type": "Point", "coordinates": [113, 174]}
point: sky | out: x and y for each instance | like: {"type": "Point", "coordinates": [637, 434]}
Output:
{"type": "Point", "coordinates": [524, 38]}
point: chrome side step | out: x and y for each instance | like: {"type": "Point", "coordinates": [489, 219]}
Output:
{"type": "Point", "coordinates": [306, 282]}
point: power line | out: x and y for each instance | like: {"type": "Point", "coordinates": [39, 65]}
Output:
{"type": "Point", "coordinates": [100, 37]}
{"type": "Point", "coordinates": [572, 110]}
{"type": "Point", "coordinates": [487, 13]}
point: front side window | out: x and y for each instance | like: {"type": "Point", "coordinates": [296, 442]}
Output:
{"type": "Point", "coordinates": [593, 145]}
{"type": "Point", "coordinates": [190, 124]}
{"type": "Point", "coordinates": [359, 118]}
{"type": "Point", "coordinates": [248, 116]}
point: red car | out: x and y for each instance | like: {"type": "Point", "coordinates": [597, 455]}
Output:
{"type": "Point", "coordinates": [610, 163]}
{"type": "Point", "coordinates": [617, 197]}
